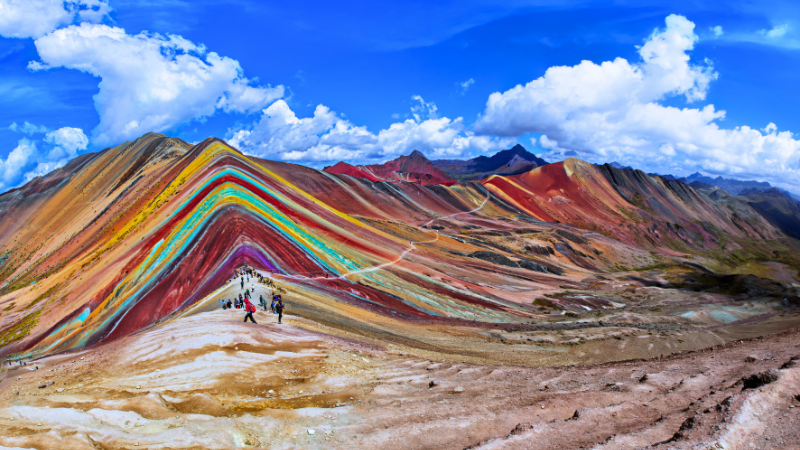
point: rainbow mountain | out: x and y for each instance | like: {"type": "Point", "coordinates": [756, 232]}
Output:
{"type": "Point", "coordinates": [124, 239]}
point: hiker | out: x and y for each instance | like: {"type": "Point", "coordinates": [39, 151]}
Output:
{"type": "Point", "coordinates": [247, 293]}
{"type": "Point", "coordinates": [279, 309]}
{"type": "Point", "coordinates": [250, 308]}
{"type": "Point", "coordinates": [229, 304]}
{"type": "Point", "coordinates": [222, 302]}
{"type": "Point", "coordinates": [274, 301]}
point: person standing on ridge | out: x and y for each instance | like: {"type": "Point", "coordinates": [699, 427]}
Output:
{"type": "Point", "coordinates": [279, 309]}
{"type": "Point", "coordinates": [250, 308]}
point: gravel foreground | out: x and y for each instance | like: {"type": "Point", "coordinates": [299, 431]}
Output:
{"type": "Point", "coordinates": [210, 381]}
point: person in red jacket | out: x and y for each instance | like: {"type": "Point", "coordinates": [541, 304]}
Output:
{"type": "Point", "coordinates": [250, 308]}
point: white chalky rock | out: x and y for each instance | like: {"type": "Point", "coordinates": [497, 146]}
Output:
{"type": "Point", "coordinates": [310, 431]}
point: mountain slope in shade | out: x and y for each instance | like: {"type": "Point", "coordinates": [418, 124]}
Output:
{"type": "Point", "coordinates": [776, 206]}
{"type": "Point", "coordinates": [413, 168]}
{"type": "Point", "coordinates": [513, 161]}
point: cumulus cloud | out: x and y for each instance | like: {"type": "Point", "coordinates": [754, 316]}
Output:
{"type": "Point", "coordinates": [12, 166]}
{"type": "Point", "coordinates": [67, 141]}
{"type": "Point", "coordinates": [326, 136]}
{"type": "Point", "coordinates": [716, 31]}
{"type": "Point", "coordinates": [27, 128]}
{"type": "Point", "coordinates": [612, 111]}
{"type": "Point", "coordinates": [35, 18]}
{"type": "Point", "coordinates": [41, 169]}
{"type": "Point", "coordinates": [150, 82]}
{"type": "Point", "coordinates": [25, 162]}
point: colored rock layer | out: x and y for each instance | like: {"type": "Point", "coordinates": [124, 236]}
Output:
{"type": "Point", "coordinates": [414, 168]}
{"type": "Point", "coordinates": [119, 240]}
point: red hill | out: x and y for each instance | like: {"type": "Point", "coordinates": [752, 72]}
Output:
{"type": "Point", "coordinates": [413, 168]}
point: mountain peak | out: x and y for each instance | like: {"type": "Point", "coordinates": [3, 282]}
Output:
{"type": "Point", "coordinates": [413, 168]}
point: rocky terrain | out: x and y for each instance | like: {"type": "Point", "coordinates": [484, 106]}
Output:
{"type": "Point", "coordinates": [207, 380]}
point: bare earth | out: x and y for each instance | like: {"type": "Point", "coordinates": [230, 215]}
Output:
{"type": "Point", "coordinates": [207, 380]}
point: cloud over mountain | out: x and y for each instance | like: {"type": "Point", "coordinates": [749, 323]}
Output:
{"type": "Point", "coordinates": [150, 82]}
{"type": "Point", "coordinates": [326, 136]}
{"type": "Point", "coordinates": [612, 111]}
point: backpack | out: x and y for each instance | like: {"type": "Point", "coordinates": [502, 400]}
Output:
{"type": "Point", "coordinates": [251, 308]}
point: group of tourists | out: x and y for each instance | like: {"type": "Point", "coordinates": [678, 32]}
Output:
{"type": "Point", "coordinates": [243, 301]}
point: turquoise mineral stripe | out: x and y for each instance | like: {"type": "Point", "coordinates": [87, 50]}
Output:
{"type": "Point", "coordinates": [193, 224]}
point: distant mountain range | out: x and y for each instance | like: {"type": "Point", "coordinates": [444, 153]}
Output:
{"type": "Point", "coordinates": [730, 185]}
{"type": "Point", "coordinates": [737, 187]}
{"type": "Point", "coordinates": [777, 205]}
{"type": "Point", "coordinates": [416, 168]}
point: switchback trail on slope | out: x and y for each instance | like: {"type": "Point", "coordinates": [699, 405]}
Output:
{"type": "Point", "coordinates": [402, 255]}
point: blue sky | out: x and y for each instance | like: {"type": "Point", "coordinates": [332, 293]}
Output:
{"type": "Point", "coordinates": [317, 82]}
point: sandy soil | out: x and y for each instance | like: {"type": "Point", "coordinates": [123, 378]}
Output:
{"type": "Point", "coordinates": [208, 380]}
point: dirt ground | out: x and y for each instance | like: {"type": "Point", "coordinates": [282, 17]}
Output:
{"type": "Point", "coordinates": [208, 380]}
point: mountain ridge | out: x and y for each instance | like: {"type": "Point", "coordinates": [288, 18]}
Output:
{"type": "Point", "coordinates": [128, 237]}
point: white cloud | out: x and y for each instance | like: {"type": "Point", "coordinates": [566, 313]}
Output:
{"type": "Point", "coordinates": [150, 82]}
{"type": "Point", "coordinates": [35, 18]}
{"type": "Point", "coordinates": [717, 31]}
{"type": "Point", "coordinates": [25, 163]}
{"type": "Point", "coordinates": [67, 142]}
{"type": "Point", "coordinates": [43, 168]}
{"type": "Point", "coordinates": [776, 32]}
{"type": "Point", "coordinates": [325, 136]}
{"type": "Point", "coordinates": [11, 168]}
{"type": "Point", "coordinates": [465, 85]}
{"type": "Point", "coordinates": [611, 111]}
{"type": "Point", "coordinates": [28, 128]}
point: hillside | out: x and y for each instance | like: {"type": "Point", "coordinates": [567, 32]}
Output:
{"type": "Point", "coordinates": [413, 168]}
